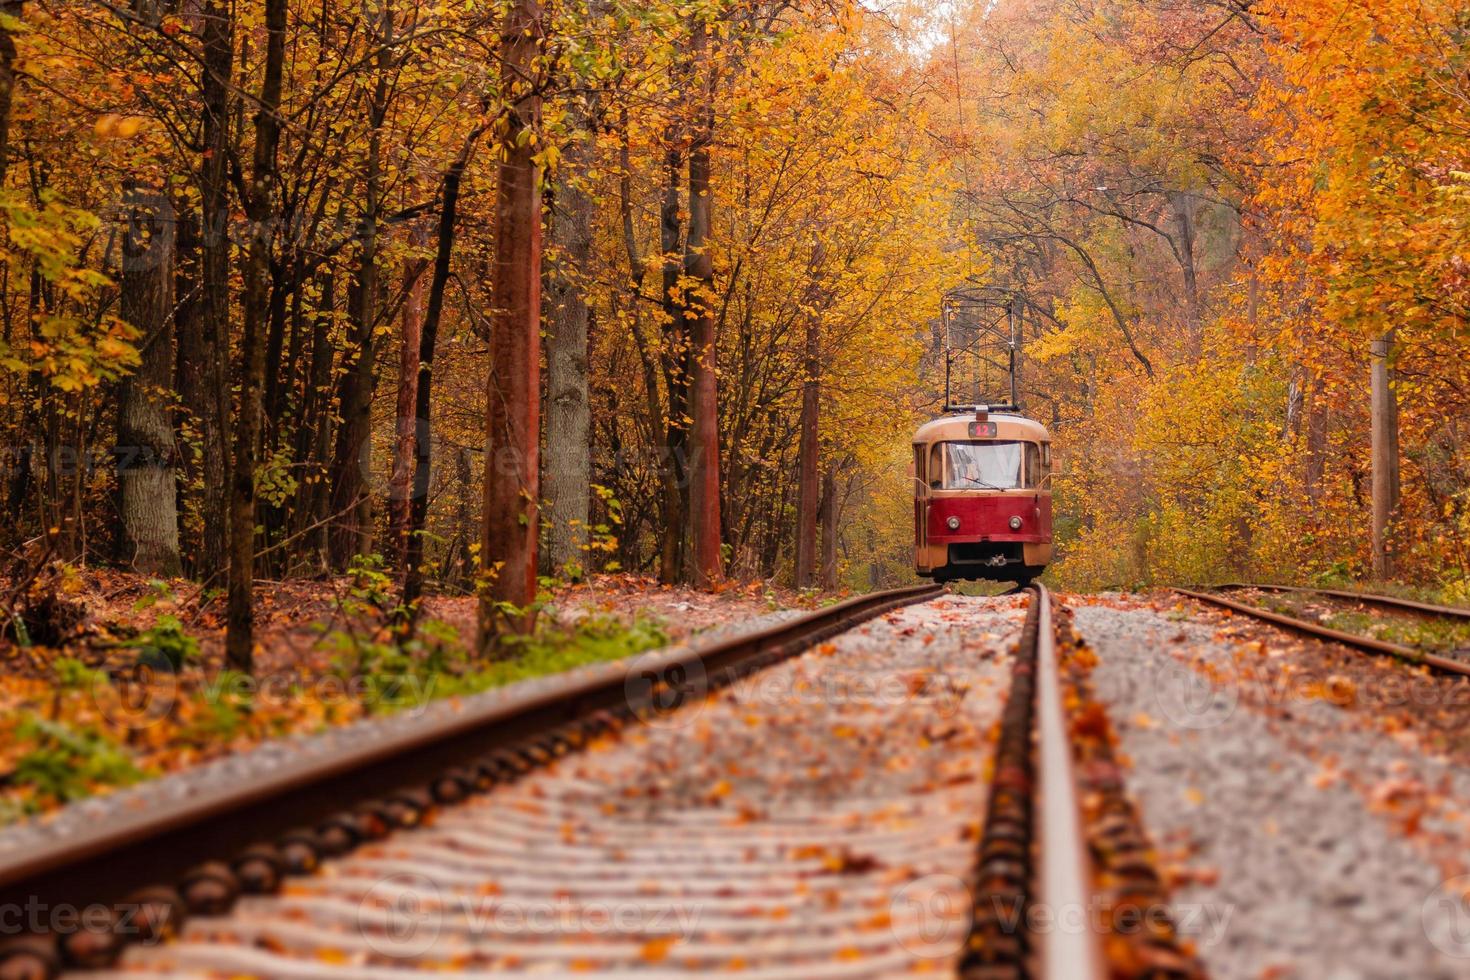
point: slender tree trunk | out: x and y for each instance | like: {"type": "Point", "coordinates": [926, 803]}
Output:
{"type": "Point", "coordinates": [190, 381]}
{"type": "Point", "coordinates": [704, 444]}
{"type": "Point", "coordinates": [513, 400]}
{"type": "Point", "coordinates": [400, 482]}
{"type": "Point", "coordinates": [1316, 441]}
{"type": "Point", "coordinates": [209, 403]}
{"type": "Point", "coordinates": [10, 8]}
{"type": "Point", "coordinates": [147, 490]}
{"type": "Point", "coordinates": [261, 210]}
{"type": "Point", "coordinates": [807, 480]}
{"type": "Point", "coordinates": [418, 512]}
{"type": "Point", "coordinates": [1184, 206]}
{"type": "Point", "coordinates": [1385, 452]}
{"type": "Point", "coordinates": [568, 417]}
{"type": "Point", "coordinates": [314, 433]}
{"type": "Point", "coordinates": [674, 469]}
{"type": "Point", "coordinates": [829, 529]}
{"type": "Point", "coordinates": [352, 528]}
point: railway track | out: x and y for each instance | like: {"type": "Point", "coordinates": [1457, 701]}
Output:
{"type": "Point", "coordinates": [624, 823]}
{"type": "Point", "coordinates": [1435, 662]}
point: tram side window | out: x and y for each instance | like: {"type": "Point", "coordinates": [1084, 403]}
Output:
{"type": "Point", "coordinates": [920, 472]}
{"type": "Point", "coordinates": [1033, 465]}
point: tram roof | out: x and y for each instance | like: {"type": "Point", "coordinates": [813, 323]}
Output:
{"type": "Point", "coordinates": [957, 426]}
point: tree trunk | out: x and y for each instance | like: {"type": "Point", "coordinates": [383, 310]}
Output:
{"type": "Point", "coordinates": [568, 417]}
{"type": "Point", "coordinates": [209, 403]}
{"type": "Point", "coordinates": [1316, 441]}
{"type": "Point", "coordinates": [418, 510]}
{"type": "Point", "coordinates": [190, 381]}
{"type": "Point", "coordinates": [704, 444]}
{"type": "Point", "coordinates": [807, 489]}
{"type": "Point", "coordinates": [147, 491]}
{"type": "Point", "coordinates": [260, 207]}
{"type": "Point", "coordinates": [400, 481]}
{"type": "Point", "coordinates": [513, 393]}
{"type": "Point", "coordinates": [10, 8]}
{"type": "Point", "coordinates": [1385, 452]}
{"type": "Point", "coordinates": [674, 468]}
{"type": "Point", "coordinates": [1184, 207]}
{"type": "Point", "coordinates": [352, 524]}
{"type": "Point", "coordinates": [829, 529]}
{"type": "Point", "coordinates": [314, 433]}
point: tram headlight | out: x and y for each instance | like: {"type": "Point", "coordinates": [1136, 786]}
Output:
{"type": "Point", "coordinates": [953, 523]}
{"type": "Point", "coordinates": [1015, 524]}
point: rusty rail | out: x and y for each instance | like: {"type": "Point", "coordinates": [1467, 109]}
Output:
{"type": "Point", "coordinates": [161, 866]}
{"type": "Point", "coordinates": [1034, 850]}
{"type": "Point", "coordinates": [1386, 601]}
{"type": "Point", "coordinates": [1433, 661]}
{"type": "Point", "coordinates": [1065, 879]}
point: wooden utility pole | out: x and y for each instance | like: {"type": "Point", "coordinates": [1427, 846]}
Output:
{"type": "Point", "coordinates": [513, 402]}
{"type": "Point", "coordinates": [1385, 450]}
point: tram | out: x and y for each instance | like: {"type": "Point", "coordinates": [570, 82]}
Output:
{"type": "Point", "coordinates": [982, 471]}
{"type": "Point", "coordinates": [982, 497]}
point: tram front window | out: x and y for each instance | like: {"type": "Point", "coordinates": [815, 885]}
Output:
{"type": "Point", "coordinates": [984, 466]}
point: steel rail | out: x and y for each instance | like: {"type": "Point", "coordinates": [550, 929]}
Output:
{"type": "Point", "coordinates": [1070, 949]}
{"type": "Point", "coordinates": [108, 863]}
{"type": "Point", "coordinates": [1034, 852]}
{"type": "Point", "coordinates": [1408, 654]}
{"type": "Point", "coordinates": [1387, 601]}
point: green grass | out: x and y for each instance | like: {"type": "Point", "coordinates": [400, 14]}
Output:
{"type": "Point", "coordinates": [591, 641]}
{"type": "Point", "coordinates": [433, 665]}
{"type": "Point", "coordinates": [67, 764]}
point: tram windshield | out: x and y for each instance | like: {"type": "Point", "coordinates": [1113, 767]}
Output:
{"type": "Point", "coordinates": [992, 465]}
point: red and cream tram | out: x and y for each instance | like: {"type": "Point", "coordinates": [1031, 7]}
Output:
{"type": "Point", "coordinates": [982, 497]}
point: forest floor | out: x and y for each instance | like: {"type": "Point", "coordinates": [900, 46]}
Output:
{"type": "Point", "coordinates": [109, 678]}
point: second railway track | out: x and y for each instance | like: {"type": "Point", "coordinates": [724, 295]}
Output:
{"type": "Point", "coordinates": [1450, 666]}
{"type": "Point", "coordinates": [827, 816]}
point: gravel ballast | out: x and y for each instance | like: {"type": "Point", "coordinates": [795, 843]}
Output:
{"type": "Point", "coordinates": [1282, 869]}
{"type": "Point", "coordinates": [806, 822]}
